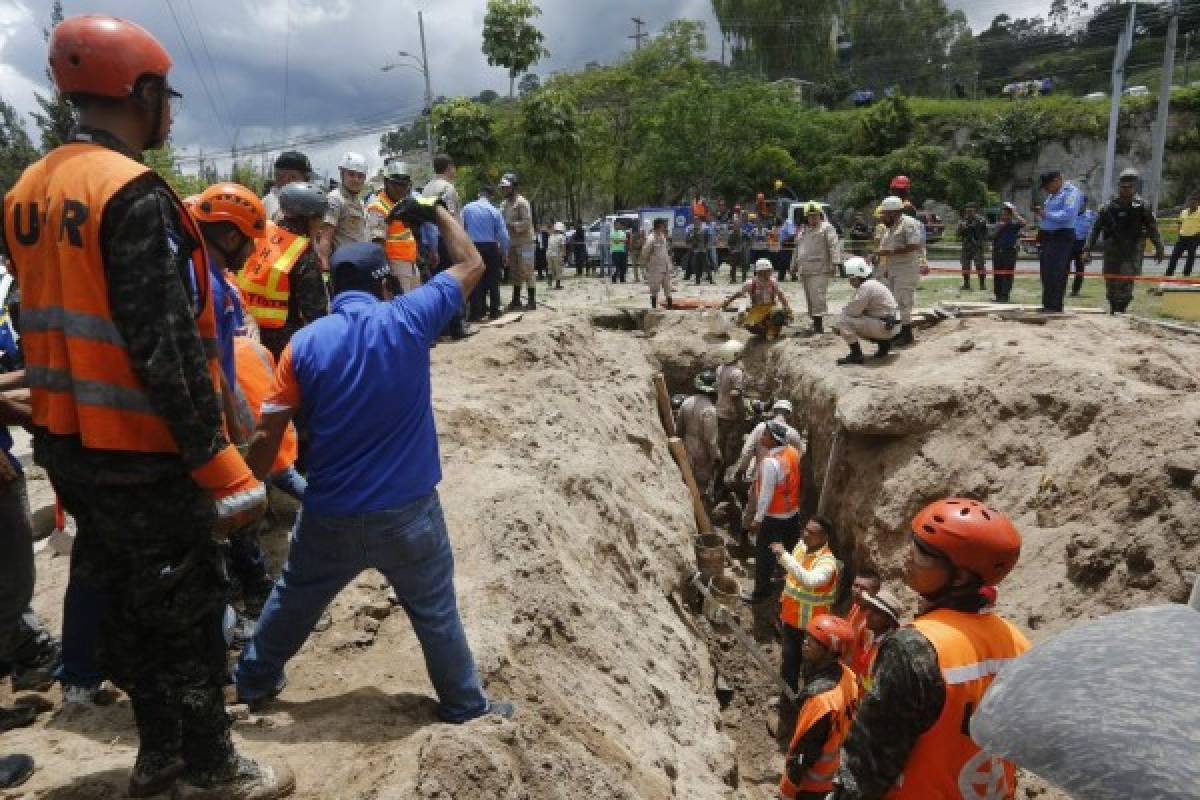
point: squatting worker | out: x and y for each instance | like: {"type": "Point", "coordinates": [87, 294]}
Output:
{"type": "Point", "coordinates": [118, 322]}
{"type": "Point", "coordinates": [826, 711]}
{"type": "Point", "coordinates": [816, 256]}
{"type": "Point", "coordinates": [398, 240]}
{"type": "Point", "coordinates": [485, 226]}
{"type": "Point", "coordinates": [1056, 232]}
{"type": "Point", "coordinates": [899, 261]}
{"type": "Point", "coordinates": [281, 282]}
{"type": "Point", "coordinates": [776, 517]}
{"type": "Point", "coordinates": [910, 740]}
{"type": "Point", "coordinates": [360, 380]}
{"type": "Point", "coordinates": [656, 255]}
{"type": "Point", "coordinates": [764, 317]}
{"type": "Point", "coordinates": [346, 216]}
{"type": "Point", "coordinates": [870, 314]}
{"type": "Point", "coordinates": [290, 167]}
{"type": "Point", "coordinates": [519, 219]}
{"type": "Point", "coordinates": [808, 592]}
{"type": "Point", "coordinates": [1125, 222]}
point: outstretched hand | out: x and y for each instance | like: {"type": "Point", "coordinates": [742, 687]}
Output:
{"type": "Point", "coordinates": [414, 211]}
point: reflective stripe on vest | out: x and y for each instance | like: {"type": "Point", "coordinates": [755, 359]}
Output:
{"type": "Point", "coordinates": [798, 604]}
{"type": "Point", "coordinates": [946, 762]}
{"type": "Point", "coordinates": [399, 243]}
{"type": "Point", "coordinates": [265, 279]}
{"type": "Point", "coordinates": [82, 380]}
{"type": "Point", "coordinates": [840, 703]}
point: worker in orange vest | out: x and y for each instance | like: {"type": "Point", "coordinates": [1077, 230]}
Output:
{"type": "Point", "coordinates": [809, 591]}
{"type": "Point", "coordinates": [282, 282]}
{"type": "Point", "coordinates": [256, 375]}
{"type": "Point", "coordinates": [880, 618]}
{"type": "Point", "coordinates": [866, 581]}
{"type": "Point", "coordinates": [776, 517]}
{"type": "Point", "coordinates": [911, 737]}
{"type": "Point", "coordinates": [120, 339]}
{"type": "Point", "coordinates": [827, 708]}
{"type": "Point", "coordinates": [399, 242]}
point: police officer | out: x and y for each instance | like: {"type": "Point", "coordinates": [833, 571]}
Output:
{"type": "Point", "coordinates": [346, 216]}
{"type": "Point", "coordinates": [118, 320]}
{"type": "Point", "coordinates": [1056, 236]}
{"type": "Point", "coordinates": [1125, 222]}
{"type": "Point", "coordinates": [519, 219]}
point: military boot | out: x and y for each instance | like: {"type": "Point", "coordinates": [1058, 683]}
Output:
{"type": "Point", "coordinates": [532, 300]}
{"type": "Point", "coordinates": [882, 348]}
{"type": "Point", "coordinates": [818, 325]}
{"type": "Point", "coordinates": [854, 357]}
{"type": "Point", "coordinates": [515, 305]}
{"type": "Point", "coordinates": [905, 337]}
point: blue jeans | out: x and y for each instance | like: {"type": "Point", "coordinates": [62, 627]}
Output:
{"type": "Point", "coordinates": [411, 547]}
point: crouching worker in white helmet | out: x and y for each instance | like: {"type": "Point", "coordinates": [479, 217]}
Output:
{"type": "Point", "coordinates": [871, 314]}
{"type": "Point", "coordinates": [764, 316]}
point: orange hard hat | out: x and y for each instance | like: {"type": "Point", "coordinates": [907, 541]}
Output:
{"type": "Point", "coordinates": [103, 56]}
{"type": "Point", "coordinates": [235, 204]}
{"type": "Point", "coordinates": [834, 632]}
{"type": "Point", "coordinates": [971, 536]}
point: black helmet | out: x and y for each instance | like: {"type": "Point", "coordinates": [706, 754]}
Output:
{"type": "Point", "coordinates": [778, 431]}
{"type": "Point", "coordinates": [509, 179]}
{"type": "Point", "coordinates": [706, 382]}
{"type": "Point", "coordinates": [677, 401]}
{"type": "Point", "coordinates": [302, 199]}
{"type": "Point", "coordinates": [759, 407]}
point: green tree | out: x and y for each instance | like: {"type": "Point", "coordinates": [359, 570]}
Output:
{"type": "Point", "coordinates": [509, 38]}
{"type": "Point", "coordinates": [1015, 136]}
{"type": "Point", "coordinates": [529, 82]}
{"type": "Point", "coordinates": [551, 140]}
{"type": "Point", "coordinates": [163, 162]}
{"type": "Point", "coordinates": [884, 127]}
{"type": "Point", "coordinates": [781, 38]}
{"type": "Point", "coordinates": [56, 119]}
{"type": "Point", "coordinates": [903, 43]}
{"type": "Point", "coordinates": [16, 148]}
{"type": "Point", "coordinates": [405, 138]}
{"type": "Point", "coordinates": [465, 129]}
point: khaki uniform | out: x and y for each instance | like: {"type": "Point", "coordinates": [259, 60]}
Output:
{"type": "Point", "coordinates": [519, 219]}
{"type": "Point", "coordinates": [818, 251]}
{"type": "Point", "coordinates": [444, 190]}
{"type": "Point", "coordinates": [697, 426]}
{"type": "Point", "coordinates": [867, 313]}
{"type": "Point", "coordinates": [731, 411]}
{"type": "Point", "coordinates": [656, 256]}
{"type": "Point", "coordinates": [901, 274]}
{"type": "Point", "coordinates": [555, 247]}
{"type": "Point", "coordinates": [348, 216]}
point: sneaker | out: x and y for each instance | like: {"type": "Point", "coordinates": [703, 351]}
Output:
{"type": "Point", "coordinates": [153, 776]}
{"type": "Point", "coordinates": [38, 674]}
{"type": "Point", "coordinates": [17, 717]}
{"type": "Point", "coordinates": [81, 696]}
{"type": "Point", "coordinates": [15, 770]}
{"type": "Point", "coordinates": [245, 779]}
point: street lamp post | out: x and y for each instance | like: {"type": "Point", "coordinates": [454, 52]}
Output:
{"type": "Point", "coordinates": [421, 66]}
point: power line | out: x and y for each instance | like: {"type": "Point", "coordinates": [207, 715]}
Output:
{"type": "Point", "coordinates": [211, 64]}
{"type": "Point", "coordinates": [287, 37]}
{"type": "Point", "coordinates": [199, 73]}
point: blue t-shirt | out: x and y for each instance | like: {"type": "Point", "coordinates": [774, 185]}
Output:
{"type": "Point", "coordinates": [363, 375]}
{"type": "Point", "coordinates": [228, 310]}
{"type": "Point", "coordinates": [1007, 234]}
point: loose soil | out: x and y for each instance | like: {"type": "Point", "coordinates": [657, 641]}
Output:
{"type": "Point", "coordinates": [573, 537]}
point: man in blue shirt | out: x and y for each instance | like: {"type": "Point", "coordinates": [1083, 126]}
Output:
{"type": "Point", "coordinates": [1057, 227]}
{"type": "Point", "coordinates": [485, 225]}
{"type": "Point", "coordinates": [1083, 226]}
{"type": "Point", "coordinates": [360, 380]}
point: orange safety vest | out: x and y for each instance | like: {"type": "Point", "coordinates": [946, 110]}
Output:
{"type": "Point", "coordinates": [946, 763]}
{"type": "Point", "coordinates": [265, 278]}
{"type": "Point", "coordinates": [841, 702]}
{"type": "Point", "coordinates": [786, 500]}
{"type": "Point", "coordinates": [81, 379]}
{"type": "Point", "coordinates": [256, 376]}
{"type": "Point", "coordinates": [399, 244]}
{"type": "Point", "coordinates": [863, 662]}
{"type": "Point", "coordinates": [798, 604]}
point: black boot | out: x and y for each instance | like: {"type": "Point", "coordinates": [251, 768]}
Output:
{"type": "Point", "coordinates": [670, 304]}
{"type": "Point", "coordinates": [855, 356]}
{"type": "Point", "coordinates": [905, 337]}
{"type": "Point", "coordinates": [515, 305]}
{"type": "Point", "coordinates": [982, 284]}
{"type": "Point", "coordinates": [818, 325]}
{"type": "Point", "coordinates": [558, 284]}
{"type": "Point", "coordinates": [653, 301]}
{"type": "Point", "coordinates": [532, 300]}
{"type": "Point", "coordinates": [882, 348]}
{"type": "Point", "coordinates": [966, 284]}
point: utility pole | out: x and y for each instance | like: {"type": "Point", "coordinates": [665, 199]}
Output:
{"type": "Point", "coordinates": [1124, 44]}
{"type": "Point", "coordinates": [1164, 107]}
{"type": "Point", "coordinates": [637, 33]}
{"type": "Point", "coordinates": [429, 143]}
{"type": "Point", "coordinates": [1187, 52]}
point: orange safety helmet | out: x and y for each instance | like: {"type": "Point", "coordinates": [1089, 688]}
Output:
{"type": "Point", "coordinates": [834, 632]}
{"type": "Point", "coordinates": [971, 536]}
{"type": "Point", "coordinates": [103, 56]}
{"type": "Point", "coordinates": [235, 204]}
{"type": "Point", "coordinates": [900, 182]}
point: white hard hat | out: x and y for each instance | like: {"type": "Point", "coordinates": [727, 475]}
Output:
{"type": "Point", "coordinates": [559, 227]}
{"type": "Point", "coordinates": [395, 171]}
{"type": "Point", "coordinates": [355, 162]}
{"type": "Point", "coordinates": [724, 266]}
{"type": "Point", "coordinates": [891, 203]}
{"type": "Point", "coordinates": [731, 351]}
{"type": "Point", "coordinates": [763, 265]}
{"type": "Point", "coordinates": [857, 267]}
{"type": "Point", "coordinates": [782, 405]}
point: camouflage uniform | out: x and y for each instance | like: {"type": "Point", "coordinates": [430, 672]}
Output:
{"type": "Point", "coordinates": [308, 299]}
{"type": "Point", "coordinates": [144, 526]}
{"type": "Point", "coordinates": [1125, 228]}
{"type": "Point", "coordinates": [806, 751]}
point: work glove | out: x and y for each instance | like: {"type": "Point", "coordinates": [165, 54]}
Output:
{"type": "Point", "coordinates": [238, 497]}
{"type": "Point", "coordinates": [413, 211]}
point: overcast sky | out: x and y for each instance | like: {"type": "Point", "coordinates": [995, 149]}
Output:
{"type": "Point", "coordinates": [335, 49]}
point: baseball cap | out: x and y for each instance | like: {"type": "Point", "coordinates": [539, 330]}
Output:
{"type": "Point", "coordinates": [364, 259]}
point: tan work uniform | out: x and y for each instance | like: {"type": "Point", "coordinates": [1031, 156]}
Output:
{"type": "Point", "coordinates": [519, 219]}
{"type": "Point", "coordinates": [555, 247]}
{"type": "Point", "coordinates": [348, 216]}
{"type": "Point", "coordinates": [901, 273]}
{"type": "Point", "coordinates": [656, 256]}
{"type": "Point", "coordinates": [731, 413]}
{"type": "Point", "coordinates": [867, 313]}
{"type": "Point", "coordinates": [818, 251]}
{"type": "Point", "coordinates": [697, 427]}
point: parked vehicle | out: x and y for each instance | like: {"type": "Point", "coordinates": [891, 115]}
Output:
{"type": "Point", "coordinates": [1136, 91]}
{"type": "Point", "coordinates": [597, 233]}
{"type": "Point", "coordinates": [1095, 96]}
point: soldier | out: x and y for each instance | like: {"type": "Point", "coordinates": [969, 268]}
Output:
{"type": "Point", "coordinates": [697, 426]}
{"type": "Point", "coordinates": [1125, 222]}
{"type": "Point", "coordinates": [972, 233]}
{"type": "Point", "coordinates": [519, 220]}
{"type": "Point", "coordinates": [899, 260]}
{"type": "Point", "coordinates": [817, 253]}
{"type": "Point", "coordinates": [126, 417]}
